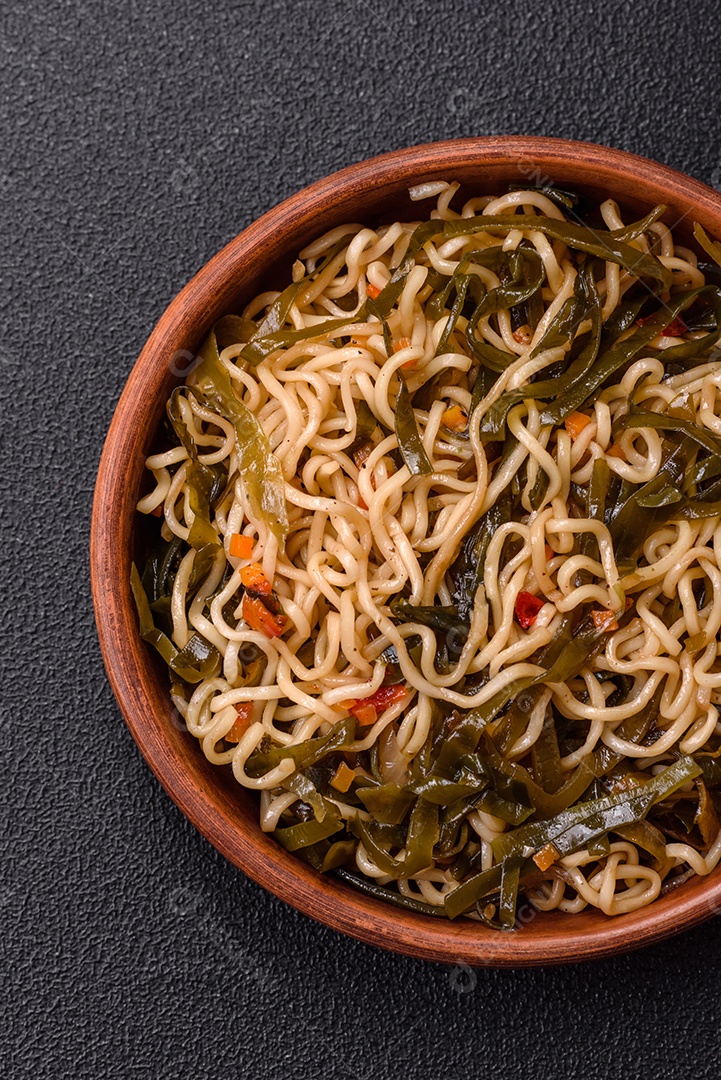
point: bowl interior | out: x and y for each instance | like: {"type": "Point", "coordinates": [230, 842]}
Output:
{"type": "Point", "coordinates": [260, 257]}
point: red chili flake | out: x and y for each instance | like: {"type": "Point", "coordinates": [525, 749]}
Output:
{"type": "Point", "coordinates": [527, 608]}
{"type": "Point", "coordinates": [674, 329]}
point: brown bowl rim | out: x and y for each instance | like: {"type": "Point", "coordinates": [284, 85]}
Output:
{"type": "Point", "coordinates": [552, 938]}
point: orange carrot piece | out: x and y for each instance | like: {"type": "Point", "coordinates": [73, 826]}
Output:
{"type": "Point", "coordinates": [616, 450]}
{"type": "Point", "coordinates": [575, 423]}
{"type": "Point", "coordinates": [343, 777]}
{"type": "Point", "coordinates": [455, 418]}
{"type": "Point", "coordinates": [373, 291]}
{"type": "Point", "coordinates": [547, 856]}
{"type": "Point", "coordinates": [604, 620]}
{"type": "Point", "coordinates": [240, 547]}
{"type": "Point", "coordinates": [403, 343]}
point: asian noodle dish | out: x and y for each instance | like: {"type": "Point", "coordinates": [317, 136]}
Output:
{"type": "Point", "coordinates": [437, 565]}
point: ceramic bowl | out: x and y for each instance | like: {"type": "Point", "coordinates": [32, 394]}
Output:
{"type": "Point", "coordinates": [225, 813]}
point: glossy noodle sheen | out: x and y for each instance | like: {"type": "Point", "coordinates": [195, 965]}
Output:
{"type": "Point", "coordinates": [439, 567]}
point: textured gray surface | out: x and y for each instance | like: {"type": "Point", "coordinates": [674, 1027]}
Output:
{"type": "Point", "coordinates": [137, 139]}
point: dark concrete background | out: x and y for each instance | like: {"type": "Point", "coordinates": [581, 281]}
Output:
{"type": "Point", "coordinates": [137, 138]}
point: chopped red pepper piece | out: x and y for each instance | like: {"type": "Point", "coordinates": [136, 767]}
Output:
{"type": "Point", "coordinates": [255, 580]}
{"type": "Point", "coordinates": [244, 710]}
{"type": "Point", "coordinates": [385, 696]}
{"type": "Point", "coordinates": [523, 335]}
{"type": "Point", "coordinates": [527, 608]}
{"type": "Point", "coordinates": [365, 714]}
{"type": "Point", "coordinates": [258, 617]}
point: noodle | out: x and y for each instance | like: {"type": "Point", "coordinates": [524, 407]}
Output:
{"type": "Point", "coordinates": [439, 568]}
